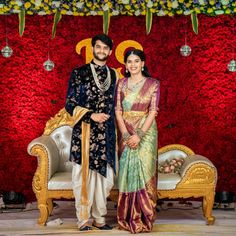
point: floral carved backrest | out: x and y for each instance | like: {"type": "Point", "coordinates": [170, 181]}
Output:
{"type": "Point", "coordinates": [59, 128]}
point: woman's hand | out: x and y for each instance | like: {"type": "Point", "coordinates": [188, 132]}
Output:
{"type": "Point", "coordinates": [133, 141]}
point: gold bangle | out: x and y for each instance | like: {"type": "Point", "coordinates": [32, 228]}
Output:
{"type": "Point", "coordinates": [140, 133]}
{"type": "Point", "coordinates": [125, 136]}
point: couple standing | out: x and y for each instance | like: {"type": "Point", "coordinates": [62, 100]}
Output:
{"type": "Point", "coordinates": [96, 98]}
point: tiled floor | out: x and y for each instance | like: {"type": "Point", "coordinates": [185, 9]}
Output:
{"type": "Point", "coordinates": [173, 219]}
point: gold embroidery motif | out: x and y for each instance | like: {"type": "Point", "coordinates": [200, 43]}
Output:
{"type": "Point", "coordinates": [127, 114]}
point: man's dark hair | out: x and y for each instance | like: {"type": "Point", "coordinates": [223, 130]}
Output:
{"type": "Point", "coordinates": [104, 38]}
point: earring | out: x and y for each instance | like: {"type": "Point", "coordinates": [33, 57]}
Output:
{"type": "Point", "coordinates": [126, 71]}
{"type": "Point", "coordinates": [142, 68]}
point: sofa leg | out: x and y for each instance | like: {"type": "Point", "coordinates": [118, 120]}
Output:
{"type": "Point", "coordinates": [50, 206]}
{"type": "Point", "coordinates": [208, 201]}
{"type": "Point", "coordinates": [43, 209]}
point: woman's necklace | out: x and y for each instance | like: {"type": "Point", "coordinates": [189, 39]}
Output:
{"type": "Point", "coordinates": [106, 84]}
{"type": "Point", "coordinates": [133, 86]}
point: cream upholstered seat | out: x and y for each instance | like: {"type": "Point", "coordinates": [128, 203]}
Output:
{"type": "Point", "coordinates": [52, 179]}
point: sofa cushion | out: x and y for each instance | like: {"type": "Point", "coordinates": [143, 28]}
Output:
{"type": "Point", "coordinates": [62, 138]}
{"type": "Point", "coordinates": [60, 181]}
{"type": "Point", "coordinates": [168, 181]}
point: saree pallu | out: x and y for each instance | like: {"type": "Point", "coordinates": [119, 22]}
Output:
{"type": "Point", "coordinates": [137, 179]}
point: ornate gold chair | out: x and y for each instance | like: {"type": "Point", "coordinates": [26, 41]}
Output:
{"type": "Point", "coordinates": [52, 179]}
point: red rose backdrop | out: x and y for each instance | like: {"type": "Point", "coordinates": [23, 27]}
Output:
{"type": "Point", "coordinates": [197, 106]}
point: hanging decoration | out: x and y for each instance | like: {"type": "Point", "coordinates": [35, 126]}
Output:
{"type": "Point", "coordinates": [232, 63]}
{"type": "Point", "coordinates": [57, 18]}
{"type": "Point", "coordinates": [116, 7]}
{"type": "Point", "coordinates": [6, 51]}
{"type": "Point", "coordinates": [48, 64]}
{"type": "Point", "coordinates": [194, 22]}
{"type": "Point", "coordinates": [185, 50]}
{"type": "Point", "coordinates": [21, 16]}
{"type": "Point", "coordinates": [106, 20]}
{"type": "Point", "coordinates": [232, 66]}
{"type": "Point", "coordinates": [119, 7]}
{"type": "Point", "coordinates": [149, 16]}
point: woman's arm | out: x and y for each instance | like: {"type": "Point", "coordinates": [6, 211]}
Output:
{"type": "Point", "coordinates": [135, 139]}
{"type": "Point", "coordinates": [121, 123]}
{"type": "Point", "coordinates": [119, 111]}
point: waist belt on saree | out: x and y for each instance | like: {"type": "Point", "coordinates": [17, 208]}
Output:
{"type": "Point", "coordinates": [127, 114]}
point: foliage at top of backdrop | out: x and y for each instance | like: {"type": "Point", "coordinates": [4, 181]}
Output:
{"type": "Point", "coordinates": [108, 8]}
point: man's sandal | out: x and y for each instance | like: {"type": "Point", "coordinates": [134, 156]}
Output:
{"type": "Point", "coordinates": [85, 228]}
{"type": "Point", "coordinates": [104, 227]}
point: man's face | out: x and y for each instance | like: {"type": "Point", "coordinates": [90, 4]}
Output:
{"type": "Point", "coordinates": [101, 51]}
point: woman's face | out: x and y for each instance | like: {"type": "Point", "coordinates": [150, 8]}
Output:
{"type": "Point", "coordinates": [134, 64]}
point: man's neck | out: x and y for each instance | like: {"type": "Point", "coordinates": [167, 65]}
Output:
{"type": "Point", "coordinates": [100, 63]}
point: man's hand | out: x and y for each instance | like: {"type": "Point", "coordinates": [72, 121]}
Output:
{"type": "Point", "coordinates": [99, 117]}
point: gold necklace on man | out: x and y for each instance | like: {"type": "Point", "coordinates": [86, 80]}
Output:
{"type": "Point", "coordinates": [106, 84]}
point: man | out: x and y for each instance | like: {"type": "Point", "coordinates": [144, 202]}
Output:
{"type": "Point", "coordinates": [90, 100]}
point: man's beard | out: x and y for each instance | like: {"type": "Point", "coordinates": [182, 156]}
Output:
{"type": "Point", "coordinates": [100, 59]}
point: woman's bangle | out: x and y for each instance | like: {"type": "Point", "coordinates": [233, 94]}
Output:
{"type": "Point", "coordinates": [125, 136]}
{"type": "Point", "coordinates": [140, 133]}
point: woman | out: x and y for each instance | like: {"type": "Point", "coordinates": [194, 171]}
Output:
{"type": "Point", "coordinates": [137, 99]}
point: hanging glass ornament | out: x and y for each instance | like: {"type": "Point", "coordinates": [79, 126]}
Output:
{"type": "Point", "coordinates": [7, 51]}
{"type": "Point", "coordinates": [185, 50]}
{"type": "Point", "coordinates": [232, 66]}
{"type": "Point", "coordinates": [232, 63]}
{"type": "Point", "coordinates": [48, 65]}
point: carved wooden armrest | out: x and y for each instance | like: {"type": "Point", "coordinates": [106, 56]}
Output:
{"type": "Point", "coordinates": [199, 170]}
{"type": "Point", "coordinates": [48, 155]}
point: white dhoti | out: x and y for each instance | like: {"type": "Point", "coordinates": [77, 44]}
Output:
{"type": "Point", "coordinates": [98, 189]}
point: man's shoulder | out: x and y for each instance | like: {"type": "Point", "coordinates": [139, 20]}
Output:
{"type": "Point", "coordinates": [81, 70]}
{"type": "Point", "coordinates": [113, 70]}
{"type": "Point", "coordinates": [114, 73]}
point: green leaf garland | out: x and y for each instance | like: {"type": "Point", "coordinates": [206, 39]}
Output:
{"type": "Point", "coordinates": [149, 16]}
{"type": "Point", "coordinates": [57, 18]}
{"type": "Point", "coordinates": [194, 22]}
{"type": "Point", "coordinates": [106, 21]}
{"type": "Point", "coordinates": [21, 16]}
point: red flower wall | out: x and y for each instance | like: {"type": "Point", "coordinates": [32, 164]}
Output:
{"type": "Point", "coordinates": [197, 106]}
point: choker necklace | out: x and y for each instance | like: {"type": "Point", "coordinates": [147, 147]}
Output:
{"type": "Point", "coordinates": [106, 84]}
{"type": "Point", "coordinates": [135, 86]}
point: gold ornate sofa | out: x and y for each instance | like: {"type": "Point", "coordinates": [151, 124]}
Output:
{"type": "Point", "coordinates": [52, 179]}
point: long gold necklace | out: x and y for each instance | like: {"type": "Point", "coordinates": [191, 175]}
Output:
{"type": "Point", "coordinates": [106, 84]}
